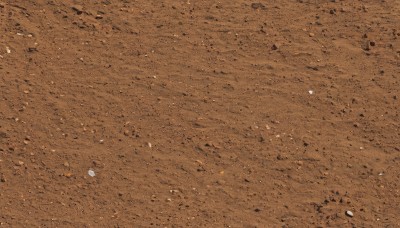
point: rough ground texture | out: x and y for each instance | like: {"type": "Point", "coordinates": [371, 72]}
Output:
{"type": "Point", "coordinates": [199, 113]}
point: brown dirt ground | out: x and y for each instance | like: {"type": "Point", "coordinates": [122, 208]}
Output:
{"type": "Point", "coordinates": [198, 113]}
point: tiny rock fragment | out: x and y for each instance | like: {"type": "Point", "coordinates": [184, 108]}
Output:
{"type": "Point", "coordinates": [99, 16]}
{"type": "Point", "coordinates": [126, 132]}
{"type": "Point", "coordinates": [66, 164]}
{"type": "Point", "coordinates": [349, 213]}
{"type": "Point", "coordinates": [311, 92]}
{"type": "Point", "coordinates": [32, 49]}
{"type": "Point", "coordinates": [78, 9]}
{"type": "Point", "coordinates": [311, 34]}
{"type": "Point", "coordinates": [19, 163]}
{"type": "Point", "coordinates": [281, 157]}
{"type": "Point", "coordinates": [91, 173]}
{"type": "Point", "coordinates": [101, 141]}
{"type": "Point", "coordinates": [300, 163]}
{"type": "Point", "coordinates": [275, 47]}
{"type": "Point", "coordinates": [372, 43]}
{"type": "Point", "coordinates": [68, 174]}
{"type": "Point", "coordinates": [8, 50]}
{"type": "Point", "coordinates": [366, 46]}
{"type": "Point", "coordinates": [199, 162]}
{"type": "Point", "coordinates": [258, 5]}
{"type": "Point", "coordinates": [149, 145]}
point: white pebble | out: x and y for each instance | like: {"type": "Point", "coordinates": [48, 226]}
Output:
{"type": "Point", "coordinates": [349, 213]}
{"type": "Point", "coordinates": [310, 92]}
{"type": "Point", "coordinates": [91, 173]}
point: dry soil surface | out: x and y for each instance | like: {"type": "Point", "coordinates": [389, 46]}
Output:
{"type": "Point", "coordinates": [280, 113]}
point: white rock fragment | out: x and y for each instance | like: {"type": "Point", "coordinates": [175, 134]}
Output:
{"type": "Point", "coordinates": [8, 50]}
{"type": "Point", "coordinates": [349, 213]}
{"type": "Point", "coordinates": [101, 141]}
{"type": "Point", "coordinates": [149, 144]}
{"type": "Point", "coordinates": [311, 92]}
{"type": "Point", "coordinates": [91, 173]}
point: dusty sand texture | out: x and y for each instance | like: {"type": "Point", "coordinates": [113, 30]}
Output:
{"type": "Point", "coordinates": [199, 113]}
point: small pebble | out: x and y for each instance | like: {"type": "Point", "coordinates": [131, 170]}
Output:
{"type": "Point", "coordinates": [91, 173]}
{"type": "Point", "coordinates": [349, 213]}
{"type": "Point", "coordinates": [258, 6]}
{"type": "Point", "coordinates": [19, 163]}
{"type": "Point", "coordinates": [310, 92]}
{"type": "Point", "coordinates": [68, 174]}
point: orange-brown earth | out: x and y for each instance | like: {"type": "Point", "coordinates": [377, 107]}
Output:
{"type": "Point", "coordinates": [199, 113]}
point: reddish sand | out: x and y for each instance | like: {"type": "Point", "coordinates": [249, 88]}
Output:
{"type": "Point", "coordinates": [225, 113]}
